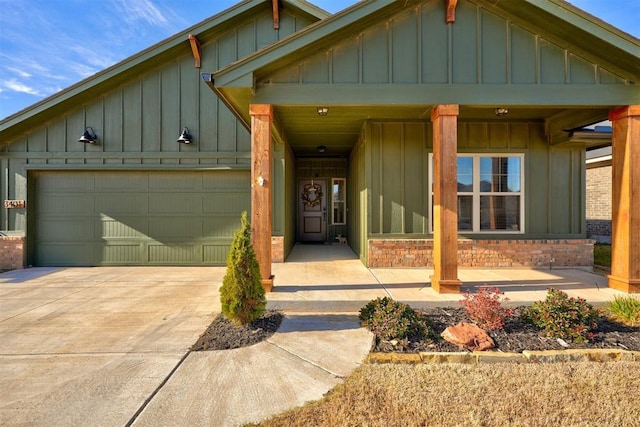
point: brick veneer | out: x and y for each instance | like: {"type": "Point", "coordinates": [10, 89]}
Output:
{"type": "Point", "coordinates": [277, 249]}
{"type": "Point", "coordinates": [12, 252]}
{"type": "Point", "coordinates": [485, 253]}
{"type": "Point", "coordinates": [598, 207]}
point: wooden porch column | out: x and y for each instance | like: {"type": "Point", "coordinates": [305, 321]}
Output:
{"type": "Point", "coordinates": [625, 240]}
{"type": "Point", "coordinates": [261, 121]}
{"type": "Point", "coordinates": [445, 199]}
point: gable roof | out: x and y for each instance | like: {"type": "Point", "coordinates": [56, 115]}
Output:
{"type": "Point", "coordinates": [152, 56]}
{"type": "Point", "coordinates": [589, 66]}
{"type": "Point", "coordinates": [568, 24]}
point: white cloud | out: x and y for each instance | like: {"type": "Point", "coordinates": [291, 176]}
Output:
{"type": "Point", "coordinates": [17, 86]}
{"type": "Point", "coordinates": [134, 11]}
{"type": "Point", "coordinates": [20, 72]}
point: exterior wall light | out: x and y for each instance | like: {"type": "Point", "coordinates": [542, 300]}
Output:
{"type": "Point", "coordinates": [322, 148]}
{"type": "Point", "coordinates": [322, 111]}
{"type": "Point", "coordinates": [185, 137]}
{"type": "Point", "coordinates": [89, 136]}
{"type": "Point", "coordinates": [501, 111]}
{"type": "Point", "coordinates": [260, 181]}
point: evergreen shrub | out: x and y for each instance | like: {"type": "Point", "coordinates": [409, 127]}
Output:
{"type": "Point", "coordinates": [242, 295]}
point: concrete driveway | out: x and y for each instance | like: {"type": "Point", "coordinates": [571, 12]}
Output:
{"type": "Point", "coordinates": [88, 346]}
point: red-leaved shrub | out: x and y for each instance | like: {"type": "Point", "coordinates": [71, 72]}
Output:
{"type": "Point", "coordinates": [485, 308]}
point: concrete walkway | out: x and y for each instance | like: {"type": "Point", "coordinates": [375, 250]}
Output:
{"type": "Point", "coordinates": [110, 345]}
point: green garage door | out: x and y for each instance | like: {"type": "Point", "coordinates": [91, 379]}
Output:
{"type": "Point", "coordinates": [135, 217]}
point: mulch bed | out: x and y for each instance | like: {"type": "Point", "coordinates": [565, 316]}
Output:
{"type": "Point", "coordinates": [222, 334]}
{"type": "Point", "coordinates": [517, 335]}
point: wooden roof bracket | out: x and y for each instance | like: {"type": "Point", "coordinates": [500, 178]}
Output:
{"type": "Point", "coordinates": [276, 15]}
{"type": "Point", "coordinates": [451, 11]}
{"type": "Point", "coordinates": [195, 49]}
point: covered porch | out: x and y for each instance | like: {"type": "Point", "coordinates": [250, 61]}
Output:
{"type": "Point", "coordinates": [402, 92]}
{"type": "Point", "coordinates": [331, 278]}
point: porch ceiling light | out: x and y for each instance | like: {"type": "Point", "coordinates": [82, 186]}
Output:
{"type": "Point", "coordinates": [501, 111]}
{"type": "Point", "coordinates": [322, 111]}
{"type": "Point", "coordinates": [185, 137]}
{"type": "Point", "coordinates": [89, 136]}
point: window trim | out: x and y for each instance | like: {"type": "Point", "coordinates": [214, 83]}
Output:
{"type": "Point", "coordinates": [343, 200]}
{"type": "Point", "coordinates": [476, 193]}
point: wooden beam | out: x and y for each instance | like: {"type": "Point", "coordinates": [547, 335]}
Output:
{"type": "Point", "coordinates": [445, 199]}
{"type": "Point", "coordinates": [451, 11]}
{"type": "Point", "coordinates": [625, 238]}
{"type": "Point", "coordinates": [195, 50]}
{"type": "Point", "coordinates": [276, 15]}
{"type": "Point", "coordinates": [261, 122]}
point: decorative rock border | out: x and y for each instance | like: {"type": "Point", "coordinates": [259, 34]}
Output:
{"type": "Point", "coordinates": [477, 357]}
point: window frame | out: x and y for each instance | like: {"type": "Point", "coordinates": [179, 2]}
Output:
{"type": "Point", "coordinates": [476, 194]}
{"type": "Point", "coordinates": [343, 201]}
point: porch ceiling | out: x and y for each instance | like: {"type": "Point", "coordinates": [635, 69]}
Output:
{"type": "Point", "coordinates": [339, 130]}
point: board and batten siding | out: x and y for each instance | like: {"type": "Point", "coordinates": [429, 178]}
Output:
{"type": "Point", "coordinates": [391, 166]}
{"type": "Point", "coordinates": [417, 46]}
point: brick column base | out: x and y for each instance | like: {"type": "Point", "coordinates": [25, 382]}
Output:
{"type": "Point", "coordinates": [532, 253]}
{"type": "Point", "coordinates": [277, 248]}
{"type": "Point", "coordinates": [12, 252]}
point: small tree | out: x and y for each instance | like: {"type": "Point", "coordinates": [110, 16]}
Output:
{"type": "Point", "coordinates": [242, 295]}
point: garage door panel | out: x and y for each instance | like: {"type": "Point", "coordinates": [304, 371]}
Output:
{"type": "Point", "coordinates": [67, 182]}
{"type": "Point", "coordinates": [161, 254]}
{"type": "Point", "coordinates": [175, 228]}
{"type": "Point", "coordinates": [122, 228]}
{"type": "Point", "coordinates": [215, 254]}
{"type": "Point", "coordinates": [115, 204]}
{"type": "Point", "coordinates": [232, 180]}
{"type": "Point", "coordinates": [73, 254]}
{"type": "Point", "coordinates": [66, 205]}
{"type": "Point", "coordinates": [137, 217]}
{"type": "Point", "coordinates": [184, 181]}
{"type": "Point", "coordinates": [227, 203]}
{"type": "Point", "coordinates": [122, 254]}
{"type": "Point", "coordinates": [114, 180]}
{"type": "Point", "coordinates": [220, 226]}
{"type": "Point", "coordinates": [175, 204]}
{"type": "Point", "coordinates": [66, 230]}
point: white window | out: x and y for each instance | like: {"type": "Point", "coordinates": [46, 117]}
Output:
{"type": "Point", "coordinates": [338, 201]}
{"type": "Point", "coordinates": [490, 193]}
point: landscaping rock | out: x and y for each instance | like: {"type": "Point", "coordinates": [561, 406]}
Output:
{"type": "Point", "coordinates": [469, 336]}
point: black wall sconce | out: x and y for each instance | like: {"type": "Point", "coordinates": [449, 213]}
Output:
{"type": "Point", "coordinates": [321, 148]}
{"type": "Point", "coordinates": [89, 136]}
{"type": "Point", "coordinates": [185, 136]}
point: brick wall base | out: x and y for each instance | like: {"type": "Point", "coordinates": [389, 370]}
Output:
{"type": "Point", "coordinates": [277, 248]}
{"type": "Point", "coordinates": [485, 253]}
{"type": "Point", "coordinates": [12, 252]}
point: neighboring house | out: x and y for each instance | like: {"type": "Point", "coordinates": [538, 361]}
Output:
{"type": "Point", "coordinates": [599, 194]}
{"type": "Point", "coordinates": [429, 133]}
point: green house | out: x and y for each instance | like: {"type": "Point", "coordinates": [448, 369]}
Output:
{"type": "Point", "coordinates": [433, 133]}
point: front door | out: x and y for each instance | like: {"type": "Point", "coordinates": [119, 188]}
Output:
{"type": "Point", "coordinates": [312, 211]}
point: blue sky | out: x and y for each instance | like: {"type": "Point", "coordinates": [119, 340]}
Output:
{"type": "Point", "coordinates": [48, 45]}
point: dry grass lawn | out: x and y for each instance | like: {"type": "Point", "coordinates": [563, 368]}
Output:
{"type": "Point", "coordinates": [576, 394]}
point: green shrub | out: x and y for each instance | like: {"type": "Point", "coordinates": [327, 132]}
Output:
{"type": "Point", "coordinates": [389, 320]}
{"type": "Point", "coordinates": [485, 308]}
{"type": "Point", "coordinates": [625, 310]}
{"type": "Point", "coordinates": [563, 317]}
{"type": "Point", "coordinates": [242, 295]}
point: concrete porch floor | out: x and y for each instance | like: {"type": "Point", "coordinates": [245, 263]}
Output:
{"type": "Point", "coordinates": [330, 278]}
